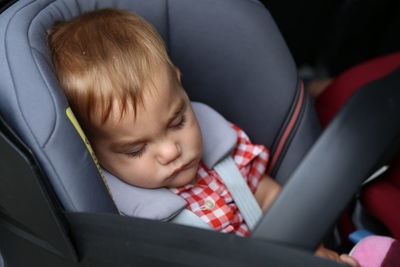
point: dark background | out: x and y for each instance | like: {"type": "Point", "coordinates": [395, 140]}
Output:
{"type": "Point", "coordinates": [335, 34]}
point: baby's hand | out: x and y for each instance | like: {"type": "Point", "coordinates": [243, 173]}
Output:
{"type": "Point", "coordinates": [349, 260]}
{"type": "Point", "coordinates": [332, 255]}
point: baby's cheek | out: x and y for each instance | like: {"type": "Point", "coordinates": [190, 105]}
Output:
{"type": "Point", "coordinates": [198, 141]}
{"type": "Point", "coordinates": [148, 173]}
{"type": "Point", "coordinates": [129, 171]}
{"type": "Point", "coordinates": [191, 138]}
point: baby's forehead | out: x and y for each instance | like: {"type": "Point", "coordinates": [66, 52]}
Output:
{"type": "Point", "coordinates": [163, 103]}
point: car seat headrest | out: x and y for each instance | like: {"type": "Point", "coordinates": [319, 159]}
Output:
{"type": "Point", "coordinates": [249, 64]}
{"type": "Point", "coordinates": [219, 139]}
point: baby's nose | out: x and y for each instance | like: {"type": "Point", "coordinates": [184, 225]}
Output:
{"type": "Point", "coordinates": [169, 152]}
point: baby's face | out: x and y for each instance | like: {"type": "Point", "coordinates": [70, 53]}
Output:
{"type": "Point", "coordinates": [160, 147]}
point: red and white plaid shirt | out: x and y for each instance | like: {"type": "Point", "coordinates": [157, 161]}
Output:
{"type": "Point", "coordinates": [210, 199]}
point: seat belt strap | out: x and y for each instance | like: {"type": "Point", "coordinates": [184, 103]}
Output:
{"type": "Point", "coordinates": [239, 190]}
{"type": "Point", "coordinates": [188, 218]}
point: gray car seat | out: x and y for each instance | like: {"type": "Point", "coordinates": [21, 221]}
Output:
{"type": "Point", "coordinates": [55, 209]}
{"type": "Point", "coordinates": [232, 57]}
{"type": "Point", "coordinates": [246, 76]}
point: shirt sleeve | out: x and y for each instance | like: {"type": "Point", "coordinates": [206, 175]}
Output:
{"type": "Point", "coordinates": [251, 159]}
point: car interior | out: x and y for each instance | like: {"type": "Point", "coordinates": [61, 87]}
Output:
{"type": "Point", "coordinates": [55, 209]}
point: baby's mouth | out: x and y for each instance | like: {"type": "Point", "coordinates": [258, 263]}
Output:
{"type": "Point", "coordinates": [181, 168]}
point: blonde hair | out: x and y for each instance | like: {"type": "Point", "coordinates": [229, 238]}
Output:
{"type": "Point", "coordinates": [106, 57]}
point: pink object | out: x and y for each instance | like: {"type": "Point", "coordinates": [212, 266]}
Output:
{"type": "Point", "coordinates": [382, 197]}
{"type": "Point", "coordinates": [374, 251]}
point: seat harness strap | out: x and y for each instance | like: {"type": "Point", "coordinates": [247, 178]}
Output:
{"type": "Point", "coordinates": [240, 191]}
{"type": "Point", "coordinates": [189, 218]}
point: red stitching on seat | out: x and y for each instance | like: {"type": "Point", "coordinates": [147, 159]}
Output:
{"type": "Point", "coordinates": [288, 130]}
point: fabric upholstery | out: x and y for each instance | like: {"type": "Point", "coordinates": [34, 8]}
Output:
{"type": "Point", "coordinates": [230, 53]}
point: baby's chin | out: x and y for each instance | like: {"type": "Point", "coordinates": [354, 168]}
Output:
{"type": "Point", "coordinates": [186, 177]}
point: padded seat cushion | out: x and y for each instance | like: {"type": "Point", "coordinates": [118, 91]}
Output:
{"type": "Point", "coordinates": [230, 53]}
